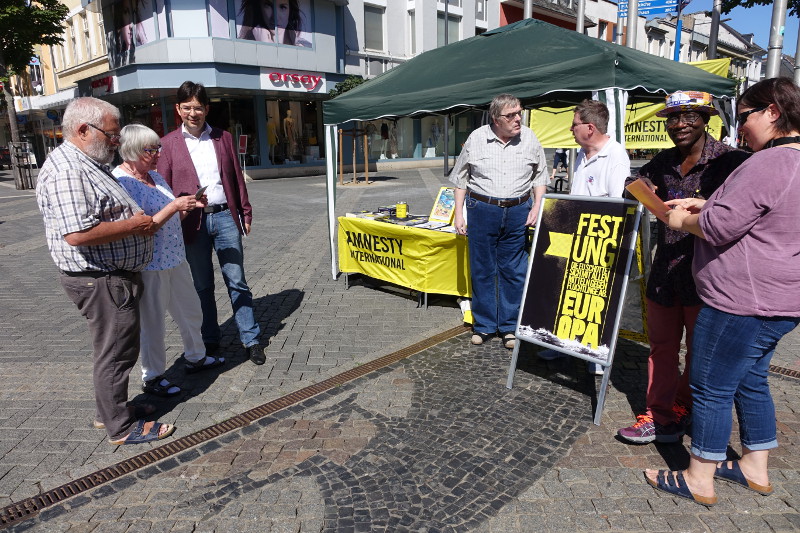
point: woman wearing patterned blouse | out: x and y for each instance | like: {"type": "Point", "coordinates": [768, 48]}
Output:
{"type": "Point", "coordinates": [167, 279]}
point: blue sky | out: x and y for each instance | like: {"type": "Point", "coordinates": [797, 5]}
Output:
{"type": "Point", "coordinates": [754, 20]}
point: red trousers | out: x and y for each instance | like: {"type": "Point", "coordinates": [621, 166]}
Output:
{"type": "Point", "coordinates": [665, 383]}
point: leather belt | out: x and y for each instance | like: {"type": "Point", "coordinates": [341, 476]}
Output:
{"type": "Point", "coordinates": [499, 202]}
{"type": "Point", "coordinates": [99, 273]}
{"type": "Point", "coordinates": [215, 208]}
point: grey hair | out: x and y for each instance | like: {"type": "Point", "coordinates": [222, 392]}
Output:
{"type": "Point", "coordinates": [86, 110]}
{"type": "Point", "coordinates": [500, 102]}
{"type": "Point", "coordinates": [594, 112]}
{"type": "Point", "coordinates": [133, 140]}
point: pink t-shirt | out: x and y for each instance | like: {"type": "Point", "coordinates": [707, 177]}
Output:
{"type": "Point", "coordinates": [749, 262]}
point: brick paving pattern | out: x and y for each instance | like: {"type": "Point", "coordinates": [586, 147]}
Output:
{"type": "Point", "coordinates": [434, 442]}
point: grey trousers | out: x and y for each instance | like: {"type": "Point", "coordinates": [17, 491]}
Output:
{"type": "Point", "coordinates": [110, 303]}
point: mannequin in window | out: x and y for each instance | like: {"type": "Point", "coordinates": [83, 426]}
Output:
{"type": "Point", "coordinates": [384, 138]}
{"type": "Point", "coordinates": [371, 132]}
{"type": "Point", "coordinates": [289, 134]}
{"type": "Point", "coordinates": [393, 140]}
{"type": "Point", "coordinates": [436, 131]}
{"type": "Point", "coordinates": [272, 139]}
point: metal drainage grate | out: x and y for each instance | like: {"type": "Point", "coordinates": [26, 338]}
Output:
{"type": "Point", "coordinates": [786, 372]}
{"type": "Point", "coordinates": [30, 507]}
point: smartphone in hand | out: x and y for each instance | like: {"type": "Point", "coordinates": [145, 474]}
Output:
{"type": "Point", "coordinates": [199, 193]}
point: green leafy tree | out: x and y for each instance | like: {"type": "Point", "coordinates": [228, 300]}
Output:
{"type": "Point", "coordinates": [350, 82]}
{"type": "Point", "coordinates": [23, 25]}
{"type": "Point", "coordinates": [728, 5]}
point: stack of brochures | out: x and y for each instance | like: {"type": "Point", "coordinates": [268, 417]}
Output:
{"type": "Point", "coordinates": [432, 224]}
{"type": "Point", "coordinates": [368, 215]}
{"type": "Point", "coordinates": [410, 220]}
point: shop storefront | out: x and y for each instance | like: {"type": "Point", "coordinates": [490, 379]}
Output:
{"type": "Point", "coordinates": [276, 123]}
{"type": "Point", "coordinates": [418, 138]}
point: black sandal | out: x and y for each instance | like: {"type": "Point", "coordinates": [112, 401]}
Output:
{"type": "Point", "coordinates": [160, 386]}
{"type": "Point", "coordinates": [206, 363]}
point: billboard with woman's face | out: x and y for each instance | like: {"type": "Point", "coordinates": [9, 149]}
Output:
{"type": "Point", "coordinates": [133, 25]}
{"type": "Point", "coordinates": [274, 21]}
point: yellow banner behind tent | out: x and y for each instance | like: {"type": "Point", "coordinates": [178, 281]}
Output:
{"type": "Point", "coordinates": [421, 259]}
{"type": "Point", "coordinates": [642, 128]}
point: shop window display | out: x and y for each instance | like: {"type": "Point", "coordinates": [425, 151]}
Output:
{"type": "Point", "coordinates": [411, 137]}
{"type": "Point", "coordinates": [238, 117]}
{"type": "Point", "coordinates": [432, 136]}
{"type": "Point", "coordinates": [147, 114]}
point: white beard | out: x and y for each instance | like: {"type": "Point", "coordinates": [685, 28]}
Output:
{"type": "Point", "coordinates": [100, 151]}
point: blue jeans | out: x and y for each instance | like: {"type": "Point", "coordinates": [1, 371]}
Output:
{"type": "Point", "coordinates": [730, 361]}
{"type": "Point", "coordinates": [218, 232]}
{"type": "Point", "coordinates": [497, 262]}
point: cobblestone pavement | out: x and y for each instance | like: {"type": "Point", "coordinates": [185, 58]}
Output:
{"type": "Point", "coordinates": [434, 442]}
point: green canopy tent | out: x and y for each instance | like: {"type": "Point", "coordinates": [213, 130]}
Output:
{"type": "Point", "coordinates": [539, 63]}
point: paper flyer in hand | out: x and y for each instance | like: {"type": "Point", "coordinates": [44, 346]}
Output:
{"type": "Point", "coordinates": [653, 203]}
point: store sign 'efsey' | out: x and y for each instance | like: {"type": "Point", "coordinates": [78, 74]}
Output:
{"type": "Point", "coordinates": [289, 80]}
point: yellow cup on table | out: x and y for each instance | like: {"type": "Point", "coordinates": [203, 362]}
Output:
{"type": "Point", "coordinates": [401, 210]}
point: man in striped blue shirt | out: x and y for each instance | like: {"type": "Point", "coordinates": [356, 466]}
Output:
{"type": "Point", "coordinates": [500, 178]}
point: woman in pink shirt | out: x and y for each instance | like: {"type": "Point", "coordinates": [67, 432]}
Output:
{"type": "Point", "coordinates": [747, 270]}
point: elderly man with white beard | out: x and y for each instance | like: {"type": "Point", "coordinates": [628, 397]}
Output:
{"type": "Point", "coordinates": [100, 240]}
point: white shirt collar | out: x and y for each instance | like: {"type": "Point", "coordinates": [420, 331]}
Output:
{"type": "Point", "coordinates": [206, 132]}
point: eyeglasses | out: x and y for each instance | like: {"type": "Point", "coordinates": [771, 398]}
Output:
{"type": "Point", "coordinates": [512, 116]}
{"type": "Point", "coordinates": [742, 117]}
{"type": "Point", "coordinates": [189, 109]}
{"type": "Point", "coordinates": [576, 124]}
{"type": "Point", "coordinates": [686, 118]}
{"type": "Point", "coordinates": [152, 151]}
{"type": "Point", "coordinates": [113, 137]}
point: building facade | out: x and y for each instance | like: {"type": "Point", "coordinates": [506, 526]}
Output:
{"type": "Point", "coordinates": [268, 65]}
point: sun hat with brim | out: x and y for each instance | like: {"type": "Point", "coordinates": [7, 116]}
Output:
{"type": "Point", "coordinates": [682, 101]}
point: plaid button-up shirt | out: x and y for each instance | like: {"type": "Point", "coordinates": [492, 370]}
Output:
{"type": "Point", "coordinates": [76, 193]}
{"type": "Point", "coordinates": [491, 167]}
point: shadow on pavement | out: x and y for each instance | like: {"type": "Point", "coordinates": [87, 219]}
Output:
{"type": "Point", "coordinates": [271, 311]}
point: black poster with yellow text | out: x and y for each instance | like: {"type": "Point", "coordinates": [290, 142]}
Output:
{"type": "Point", "coordinates": [580, 259]}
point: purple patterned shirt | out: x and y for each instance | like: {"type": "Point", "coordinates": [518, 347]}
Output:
{"type": "Point", "coordinates": [671, 273]}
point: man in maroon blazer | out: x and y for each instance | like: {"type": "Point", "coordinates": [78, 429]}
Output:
{"type": "Point", "coordinates": [198, 155]}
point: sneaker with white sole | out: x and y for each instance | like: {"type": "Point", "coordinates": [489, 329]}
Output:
{"type": "Point", "coordinates": [645, 430]}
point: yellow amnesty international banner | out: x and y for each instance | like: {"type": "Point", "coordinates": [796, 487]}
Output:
{"type": "Point", "coordinates": [551, 126]}
{"type": "Point", "coordinates": [642, 128]}
{"type": "Point", "coordinates": [580, 260]}
{"type": "Point", "coordinates": [720, 67]}
{"type": "Point", "coordinates": [421, 259]}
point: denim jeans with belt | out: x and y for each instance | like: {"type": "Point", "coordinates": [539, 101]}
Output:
{"type": "Point", "coordinates": [730, 362]}
{"type": "Point", "coordinates": [218, 232]}
{"type": "Point", "coordinates": [498, 263]}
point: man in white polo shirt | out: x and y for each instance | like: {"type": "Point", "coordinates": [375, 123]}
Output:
{"type": "Point", "coordinates": [602, 164]}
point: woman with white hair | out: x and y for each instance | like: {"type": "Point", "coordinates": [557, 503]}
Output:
{"type": "Point", "coordinates": [167, 279]}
